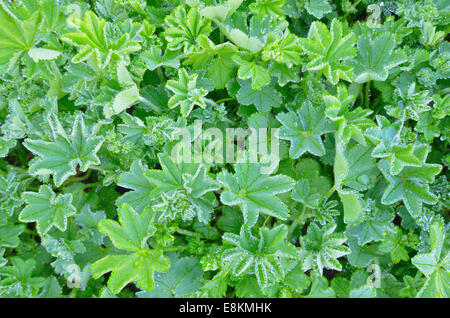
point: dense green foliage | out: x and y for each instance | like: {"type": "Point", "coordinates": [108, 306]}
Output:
{"type": "Point", "coordinates": [94, 204]}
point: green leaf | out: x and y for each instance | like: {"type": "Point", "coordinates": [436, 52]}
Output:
{"type": "Point", "coordinates": [329, 50]}
{"type": "Point", "coordinates": [304, 129]}
{"type": "Point", "coordinates": [182, 279]}
{"type": "Point", "coordinates": [311, 187]}
{"type": "Point", "coordinates": [187, 94]}
{"type": "Point", "coordinates": [231, 220]}
{"type": "Point", "coordinates": [254, 192]}
{"type": "Point", "coordinates": [284, 50]}
{"type": "Point", "coordinates": [409, 101]}
{"type": "Point", "coordinates": [18, 280]}
{"type": "Point", "coordinates": [318, 8]}
{"type": "Point", "coordinates": [263, 99]}
{"type": "Point", "coordinates": [435, 266]}
{"type": "Point", "coordinates": [296, 279]}
{"type": "Point", "coordinates": [47, 209]}
{"type": "Point", "coordinates": [140, 263]}
{"type": "Point", "coordinates": [97, 44]}
{"type": "Point", "coordinates": [351, 124]}
{"type": "Point", "coordinates": [6, 145]}
{"type": "Point", "coordinates": [222, 11]}
{"type": "Point", "coordinates": [321, 248]}
{"type": "Point", "coordinates": [267, 7]}
{"type": "Point", "coordinates": [320, 288]}
{"type": "Point", "coordinates": [354, 169]}
{"type": "Point", "coordinates": [386, 137]}
{"type": "Point", "coordinates": [352, 206]}
{"type": "Point", "coordinates": [363, 292]}
{"type": "Point", "coordinates": [125, 99]}
{"type": "Point", "coordinates": [376, 57]}
{"type": "Point", "coordinates": [184, 29]}
{"type": "Point", "coordinates": [39, 54]}
{"type": "Point", "coordinates": [217, 286]}
{"type": "Point", "coordinates": [154, 59]}
{"type": "Point", "coordinates": [217, 59]}
{"type": "Point", "coordinates": [261, 256]}
{"type": "Point", "coordinates": [285, 74]}
{"type": "Point", "coordinates": [3, 261]}
{"type": "Point", "coordinates": [253, 37]}
{"type": "Point", "coordinates": [62, 156]}
{"type": "Point", "coordinates": [248, 287]}
{"type": "Point", "coordinates": [88, 221]}
{"type": "Point", "coordinates": [135, 179]}
{"type": "Point", "coordinates": [411, 184]}
{"type": "Point", "coordinates": [9, 235]}
{"type": "Point", "coordinates": [184, 188]}
{"type": "Point", "coordinates": [341, 287]}
{"type": "Point", "coordinates": [11, 186]}
{"type": "Point", "coordinates": [16, 35]}
{"type": "Point", "coordinates": [258, 74]}
{"type": "Point", "coordinates": [361, 256]}
{"type": "Point", "coordinates": [52, 289]}
{"type": "Point", "coordinates": [374, 227]}
{"type": "Point", "coordinates": [394, 244]}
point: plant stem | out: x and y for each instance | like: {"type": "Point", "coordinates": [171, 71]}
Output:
{"type": "Point", "coordinates": [161, 76]}
{"type": "Point", "coordinates": [189, 233]}
{"type": "Point", "coordinates": [79, 179]}
{"type": "Point", "coordinates": [265, 221]}
{"type": "Point", "coordinates": [351, 8]}
{"type": "Point", "coordinates": [367, 95]}
{"type": "Point", "coordinates": [296, 222]}
{"type": "Point", "coordinates": [224, 100]}
{"type": "Point", "coordinates": [89, 185]}
{"type": "Point", "coordinates": [361, 95]}
{"type": "Point", "coordinates": [330, 192]}
{"type": "Point", "coordinates": [378, 105]}
{"type": "Point", "coordinates": [176, 248]}
{"type": "Point", "coordinates": [28, 231]}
